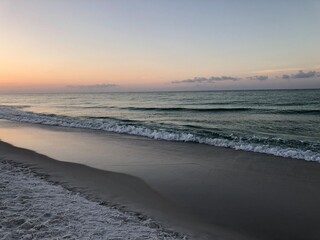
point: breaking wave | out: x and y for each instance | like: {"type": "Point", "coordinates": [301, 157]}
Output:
{"type": "Point", "coordinates": [169, 133]}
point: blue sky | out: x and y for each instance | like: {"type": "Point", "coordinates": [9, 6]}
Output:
{"type": "Point", "coordinates": [151, 45]}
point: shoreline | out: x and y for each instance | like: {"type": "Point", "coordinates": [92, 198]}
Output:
{"type": "Point", "coordinates": [206, 191]}
{"type": "Point", "coordinates": [34, 208]}
{"type": "Point", "coordinates": [126, 193]}
{"type": "Point", "coordinates": [114, 125]}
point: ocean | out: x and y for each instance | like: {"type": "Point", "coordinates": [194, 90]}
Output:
{"type": "Point", "coordinates": [279, 122]}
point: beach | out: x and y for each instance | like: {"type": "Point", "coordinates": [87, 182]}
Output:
{"type": "Point", "coordinates": [159, 120]}
{"type": "Point", "coordinates": [202, 191]}
{"type": "Point", "coordinates": [34, 208]}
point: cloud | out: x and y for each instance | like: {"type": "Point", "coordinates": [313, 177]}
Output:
{"type": "Point", "coordinates": [285, 76]}
{"type": "Point", "coordinates": [259, 78]}
{"type": "Point", "coordinates": [206, 80]}
{"type": "Point", "coordinates": [213, 79]}
{"type": "Point", "coordinates": [94, 87]}
{"type": "Point", "coordinates": [301, 74]}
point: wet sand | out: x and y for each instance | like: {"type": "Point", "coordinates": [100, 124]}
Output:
{"type": "Point", "coordinates": [210, 192]}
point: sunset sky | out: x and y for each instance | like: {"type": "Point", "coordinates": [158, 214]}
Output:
{"type": "Point", "coordinates": [158, 45]}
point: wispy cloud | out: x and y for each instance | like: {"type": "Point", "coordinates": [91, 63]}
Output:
{"type": "Point", "coordinates": [274, 71]}
{"type": "Point", "coordinates": [301, 74]}
{"type": "Point", "coordinates": [93, 87]}
{"type": "Point", "coordinates": [259, 77]}
{"type": "Point", "coordinates": [263, 77]}
{"type": "Point", "coordinates": [206, 80]}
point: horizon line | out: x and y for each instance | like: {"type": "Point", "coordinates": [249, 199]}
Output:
{"type": "Point", "coordinates": [168, 91]}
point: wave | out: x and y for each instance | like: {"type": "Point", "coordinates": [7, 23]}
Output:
{"type": "Point", "coordinates": [98, 107]}
{"type": "Point", "coordinates": [290, 104]}
{"type": "Point", "coordinates": [170, 109]}
{"type": "Point", "coordinates": [212, 110]}
{"type": "Point", "coordinates": [152, 131]}
{"type": "Point", "coordinates": [179, 109]}
{"type": "Point", "coordinates": [302, 111]}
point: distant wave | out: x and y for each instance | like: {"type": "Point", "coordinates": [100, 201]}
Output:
{"type": "Point", "coordinates": [301, 111]}
{"type": "Point", "coordinates": [98, 107]}
{"type": "Point", "coordinates": [148, 130]}
{"type": "Point", "coordinates": [213, 110]}
{"type": "Point", "coordinates": [290, 104]}
{"type": "Point", "coordinates": [206, 103]}
{"type": "Point", "coordinates": [179, 109]}
{"type": "Point", "coordinates": [173, 109]}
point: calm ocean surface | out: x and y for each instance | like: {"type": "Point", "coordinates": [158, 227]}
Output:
{"type": "Point", "coordinates": [282, 122]}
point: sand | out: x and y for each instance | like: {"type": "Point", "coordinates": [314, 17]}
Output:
{"type": "Point", "coordinates": [32, 208]}
{"type": "Point", "coordinates": [205, 191]}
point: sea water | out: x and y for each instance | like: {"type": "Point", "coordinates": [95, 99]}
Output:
{"type": "Point", "coordinates": [279, 122]}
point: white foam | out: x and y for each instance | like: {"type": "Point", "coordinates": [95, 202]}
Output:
{"type": "Point", "coordinates": [32, 208]}
{"type": "Point", "coordinates": [14, 114]}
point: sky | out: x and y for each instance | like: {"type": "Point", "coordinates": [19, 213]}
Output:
{"type": "Point", "coordinates": [149, 45]}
